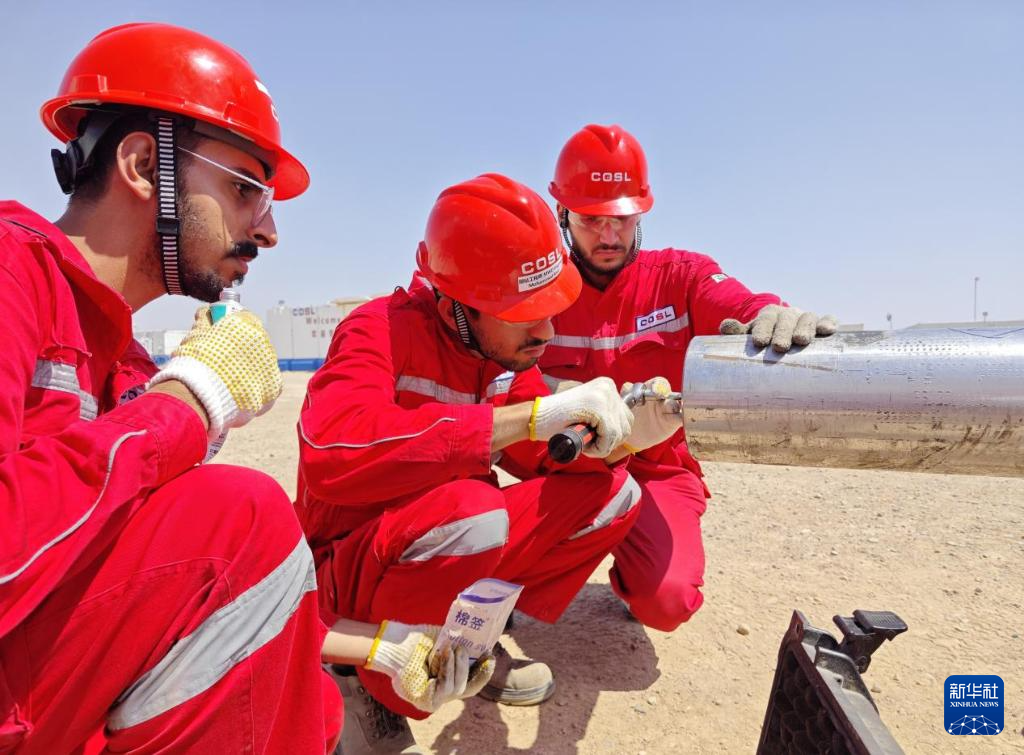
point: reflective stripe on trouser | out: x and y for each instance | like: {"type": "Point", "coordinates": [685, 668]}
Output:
{"type": "Point", "coordinates": [365, 577]}
{"type": "Point", "coordinates": [139, 638]}
{"type": "Point", "coordinates": [619, 504]}
{"type": "Point", "coordinates": [227, 637]}
{"type": "Point", "coordinates": [659, 567]}
{"type": "Point", "coordinates": [561, 527]}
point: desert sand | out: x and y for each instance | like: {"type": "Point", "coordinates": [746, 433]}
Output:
{"type": "Point", "coordinates": [944, 552]}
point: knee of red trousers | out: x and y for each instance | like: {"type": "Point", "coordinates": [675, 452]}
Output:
{"type": "Point", "coordinates": [461, 499]}
{"type": "Point", "coordinates": [242, 497]}
{"type": "Point", "coordinates": [397, 566]}
{"type": "Point", "coordinates": [666, 607]}
{"type": "Point", "coordinates": [220, 530]}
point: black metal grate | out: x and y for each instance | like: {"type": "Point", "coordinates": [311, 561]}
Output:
{"type": "Point", "coordinates": [819, 704]}
{"type": "Point", "coordinates": [798, 722]}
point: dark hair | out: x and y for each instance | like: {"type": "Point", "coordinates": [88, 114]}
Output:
{"type": "Point", "coordinates": [92, 184]}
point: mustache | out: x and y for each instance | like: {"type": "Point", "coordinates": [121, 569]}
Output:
{"type": "Point", "coordinates": [533, 343]}
{"type": "Point", "coordinates": [246, 249]}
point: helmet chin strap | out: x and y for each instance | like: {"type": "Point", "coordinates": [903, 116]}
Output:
{"type": "Point", "coordinates": [70, 165]}
{"type": "Point", "coordinates": [168, 224]}
{"type": "Point", "coordinates": [462, 326]}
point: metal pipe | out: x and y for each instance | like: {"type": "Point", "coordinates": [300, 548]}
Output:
{"type": "Point", "coordinates": [944, 400]}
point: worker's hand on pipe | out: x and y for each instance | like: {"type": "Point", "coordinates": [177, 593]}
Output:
{"type": "Point", "coordinates": [782, 327]}
{"type": "Point", "coordinates": [596, 404]}
{"type": "Point", "coordinates": [422, 675]}
{"type": "Point", "coordinates": [656, 418]}
{"type": "Point", "coordinates": [230, 367]}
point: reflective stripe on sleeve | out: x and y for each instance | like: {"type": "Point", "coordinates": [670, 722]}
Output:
{"type": "Point", "coordinates": [57, 376]}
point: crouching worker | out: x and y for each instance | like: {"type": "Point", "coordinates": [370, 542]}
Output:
{"type": "Point", "coordinates": [637, 313]}
{"type": "Point", "coordinates": [172, 605]}
{"type": "Point", "coordinates": [421, 391]}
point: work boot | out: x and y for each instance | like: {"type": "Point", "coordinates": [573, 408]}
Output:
{"type": "Point", "coordinates": [518, 681]}
{"type": "Point", "coordinates": [370, 728]}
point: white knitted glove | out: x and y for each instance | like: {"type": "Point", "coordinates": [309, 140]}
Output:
{"type": "Point", "coordinates": [782, 327]}
{"type": "Point", "coordinates": [230, 367]}
{"type": "Point", "coordinates": [656, 419]}
{"type": "Point", "coordinates": [420, 676]}
{"type": "Point", "coordinates": [596, 403]}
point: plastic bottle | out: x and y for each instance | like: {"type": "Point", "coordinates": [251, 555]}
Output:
{"type": "Point", "coordinates": [230, 301]}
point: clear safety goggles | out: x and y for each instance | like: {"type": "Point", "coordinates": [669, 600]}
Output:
{"type": "Point", "coordinates": [262, 200]}
{"type": "Point", "coordinates": [597, 223]}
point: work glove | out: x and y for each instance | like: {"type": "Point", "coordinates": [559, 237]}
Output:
{"type": "Point", "coordinates": [596, 403]}
{"type": "Point", "coordinates": [230, 367]}
{"type": "Point", "coordinates": [782, 327]}
{"type": "Point", "coordinates": [421, 676]}
{"type": "Point", "coordinates": [656, 419]}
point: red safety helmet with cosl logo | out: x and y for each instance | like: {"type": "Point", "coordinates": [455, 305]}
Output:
{"type": "Point", "coordinates": [602, 170]}
{"type": "Point", "coordinates": [493, 244]}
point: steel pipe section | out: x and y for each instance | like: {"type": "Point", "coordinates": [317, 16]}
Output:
{"type": "Point", "coordinates": [944, 400]}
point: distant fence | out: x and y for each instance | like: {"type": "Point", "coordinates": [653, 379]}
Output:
{"type": "Point", "coordinates": [285, 365]}
{"type": "Point", "coordinates": [300, 365]}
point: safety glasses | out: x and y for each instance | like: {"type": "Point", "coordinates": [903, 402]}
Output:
{"type": "Point", "coordinates": [247, 188]}
{"type": "Point", "coordinates": [597, 223]}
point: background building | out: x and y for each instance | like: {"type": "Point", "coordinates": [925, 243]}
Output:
{"type": "Point", "coordinates": [159, 342]}
{"type": "Point", "coordinates": [301, 335]}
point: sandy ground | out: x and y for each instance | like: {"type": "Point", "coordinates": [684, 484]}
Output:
{"type": "Point", "coordinates": [945, 552]}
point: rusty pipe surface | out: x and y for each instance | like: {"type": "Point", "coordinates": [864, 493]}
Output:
{"type": "Point", "coordinates": [944, 400]}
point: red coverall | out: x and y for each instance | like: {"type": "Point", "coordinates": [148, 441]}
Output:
{"type": "Point", "coordinates": [637, 328]}
{"type": "Point", "coordinates": [396, 493]}
{"type": "Point", "coordinates": [173, 604]}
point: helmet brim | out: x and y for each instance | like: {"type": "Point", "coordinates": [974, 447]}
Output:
{"type": "Point", "coordinates": [621, 206]}
{"type": "Point", "coordinates": [546, 302]}
{"type": "Point", "coordinates": [61, 114]}
{"type": "Point", "coordinates": [290, 178]}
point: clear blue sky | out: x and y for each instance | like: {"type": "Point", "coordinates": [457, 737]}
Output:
{"type": "Point", "coordinates": [856, 158]}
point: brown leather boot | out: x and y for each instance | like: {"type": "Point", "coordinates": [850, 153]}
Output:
{"type": "Point", "coordinates": [518, 681]}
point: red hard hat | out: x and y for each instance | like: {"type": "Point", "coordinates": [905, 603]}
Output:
{"type": "Point", "coordinates": [163, 67]}
{"type": "Point", "coordinates": [493, 244]}
{"type": "Point", "coordinates": [602, 171]}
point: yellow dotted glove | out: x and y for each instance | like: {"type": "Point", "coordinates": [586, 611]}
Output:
{"type": "Point", "coordinates": [230, 367]}
{"type": "Point", "coordinates": [419, 675]}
